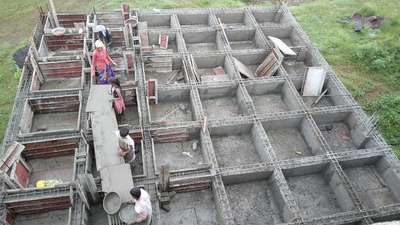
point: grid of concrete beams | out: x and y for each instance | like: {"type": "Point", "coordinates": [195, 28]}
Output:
{"type": "Point", "coordinates": [262, 153]}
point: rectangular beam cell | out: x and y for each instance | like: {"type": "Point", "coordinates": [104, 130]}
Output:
{"type": "Point", "coordinates": [51, 114]}
{"type": "Point", "coordinates": [316, 193]}
{"type": "Point", "coordinates": [274, 96]}
{"type": "Point", "coordinates": [240, 39]}
{"type": "Point", "coordinates": [376, 182]}
{"type": "Point", "coordinates": [223, 102]}
{"type": "Point", "coordinates": [173, 106]}
{"type": "Point", "coordinates": [176, 74]}
{"type": "Point", "coordinates": [191, 208]}
{"type": "Point", "coordinates": [203, 41]}
{"type": "Point", "coordinates": [343, 131]}
{"type": "Point", "coordinates": [237, 145]}
{"type": "Point", "coordinates": [256, 201]}
{"type": "Point", "coordinates": [180, 149]}
{"type": "Point", "coordinates": [194, 20]}
{"type": "Point", "coordinates": [55, 217]}
{"type": "Point", "coordinates": [214, 68]}
{"type": "Point", "coordinates": [292, 138]}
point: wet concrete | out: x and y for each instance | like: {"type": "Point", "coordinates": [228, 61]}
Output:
{"type": "Point", "coordinates": [62, 83]}
{"type": "Point", "coordinates": [200, 47]}
{"type": "Point", "coordinates": [97, 215]}
{"type": "Point", "coordinates": [253, 203]}
{"type": "Point", "coordinates": [163, 78]}
{"type": "Point", "coordinates": [235, 150]}
{"type": "Point", "coordinates": [56, 217]}
{"type": "Point", "coordinates": [338, 136]}
{"type": "Point", "coordinates": [171, 111]}
{"type": "Point", "coordinates": [324, 102]}
{"type": "Point", "coordinates": [240, 45]}
{"type": "Point", "coordinates": [58, 168]}
{"type": "Point", "coordinates": [178, 155]}
{"type": "Point", "coordinates": [288, 143]}
{"type": "Point", "coordinates": [269, 103]}
{"type": "Point", "coordinates": [372, 189]}
{"type": "Point", "coordinates": [131, 116]}
{"type": "Point", "coordinates": [54, 121]}
{"type": "Point", "coordinates": [218, 108]}
{"type": "Point", "coordinates": [192, 208]}
{"type": "Point", "coordinates": [313, 195]}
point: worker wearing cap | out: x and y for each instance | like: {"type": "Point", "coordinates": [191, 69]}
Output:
{"type": "Point", "coordinates": [142, 206]}
{"type": "Point", "coordinates": [103, 34]}
{"type": "Point", "coordinates": [101, 64]}
{"type": "Point", "coordinates": [126, 145]}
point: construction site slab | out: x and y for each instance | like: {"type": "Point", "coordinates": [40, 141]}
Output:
{"type": "Point", "coordinates": [313, 195]}
{"type": "Point", "coordinates": [54, 121]}
{"type": "Point", "coordinates": [253, 203]}
{"type": "Point", "coordinates": [179, 155]}
{"type": "Point", "coordinates": [191, 208]}
{"type": "Point", "coordinates": [56, 168]}
{"type": "Point", "coordinates": [56, 217]}
{"type": "Point", "coordinates": [235, 150]}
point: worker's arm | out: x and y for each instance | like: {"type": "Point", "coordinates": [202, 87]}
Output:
{"type": "Point", "coordinates": [112, 61]}
{"type": "Point", "coordinates": [92, 68]}
{"type": "Point", "coordinates": [141, 217]}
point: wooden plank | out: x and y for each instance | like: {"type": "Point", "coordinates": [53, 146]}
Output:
{"type": "Point", "coordinates": [144, 39]}
{"type": "Point", "coordinates": [243, 69]}
{"type": "Point", "coordinates": [314, 81]}
{"type": "Point", "coordinates": [11, 154]}
{"type": "Point", "coordinates": [163, 41]}
{"type": "Point", "coordinates": [282, 46]}
{"type": "Point", "coordinates": [54, 13]}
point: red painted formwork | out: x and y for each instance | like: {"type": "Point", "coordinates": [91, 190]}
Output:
{"type": "Point", "coordinates": [22, 174]}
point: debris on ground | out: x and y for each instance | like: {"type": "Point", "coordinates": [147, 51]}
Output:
{"type": "Point", "coordinates": [187, 154]}
{"type": "Point", "coordinates": [195, 145]}
{"type": "Point", "coordinates": [219, 70]}
{"type": "Point", "coordinates": [361, 21]}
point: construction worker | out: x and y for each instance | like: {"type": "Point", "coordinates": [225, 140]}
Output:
{"type": "Point", "coordinates": [118, 99]}
{"type": "Point", "coordinates": [126, 145]}
{"type": "Point", "coordinates": [142, 206]}
{"type": "Point", "coordinates": [103, 34]}
{"type": "Point", "coordinates": [101, 64]}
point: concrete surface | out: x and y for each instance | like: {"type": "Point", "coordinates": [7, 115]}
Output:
{"type": "Point", "coordinates": [54, 121]}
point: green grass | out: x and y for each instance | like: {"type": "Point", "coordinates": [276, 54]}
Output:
{"type": "Point", "coordinates": [366, 62]}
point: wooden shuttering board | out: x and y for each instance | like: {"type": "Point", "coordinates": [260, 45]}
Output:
{"type": "Point", "coordinates": [243, 69]}
{"type": "Point", "coordinates": [11, 155]}
{"type": "Point", "coordinates": [282, 46]}
{"type": "Point", "coordinates": [163, 41]}
{"type": "Point", "coordinates": [22, 174]}
{"type": "Point", "coordinates": [313, 81]}
{"type": "Point", "coordinates": [271, 63]}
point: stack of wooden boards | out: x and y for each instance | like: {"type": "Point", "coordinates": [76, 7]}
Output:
{"type": "Point", "coordinates": [271, 63]}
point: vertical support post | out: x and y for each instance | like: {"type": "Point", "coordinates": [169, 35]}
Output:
{"type": "Point", "coordinates": [53, 13]}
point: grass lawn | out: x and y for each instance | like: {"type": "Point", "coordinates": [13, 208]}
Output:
{"type": "Point", "coordinates": [366, 62]}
